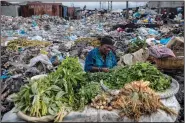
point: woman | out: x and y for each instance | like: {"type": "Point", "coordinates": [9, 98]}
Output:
{"type": "Point", "coordinates": [101, 59]}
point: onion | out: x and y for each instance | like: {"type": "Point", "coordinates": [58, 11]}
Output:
{"type": "Point", "coordinates": [110, 108]}
{"type": "Point", "coordinates": [104, 102]}
{"type": "Point", "coordinates": [101, 107]}
{"type": "Point", "coordinates": [97, 107]}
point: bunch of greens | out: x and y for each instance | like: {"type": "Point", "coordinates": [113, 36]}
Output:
{"type": "Point", "coordinates": [63, 90]}
{"type": "Point", "coordinates": [116, 78]}
{"type": "Point", "coordinates": [136, 45]}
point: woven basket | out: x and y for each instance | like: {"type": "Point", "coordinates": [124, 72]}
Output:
{"type": "Point", "coordinates": [174, 88]}
{"type": "Point", "coordinates": [170, 63]}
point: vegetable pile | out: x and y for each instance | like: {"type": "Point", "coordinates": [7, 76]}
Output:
{"type": "Point", "coordinates": [136, 45]}
{"type": "Point", "coordinates": [137, 99]}
{"type": "Point", "coordinates": [102, 102]}
{"type": "Point", "coordinates": [15, 44]}
{"type": "Point", "coordinates": [117, 77]}
{"type": "Point", "coordinates": [61, 91]}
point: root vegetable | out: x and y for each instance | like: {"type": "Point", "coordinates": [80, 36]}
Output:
{"type": "Point", "coordinates": [137, 98]}
{"type": "Point", "coordinates": [101, 107]}
{"type": "Point", "coordinates": [97, 107]}
{"type": "Point", "coordinates": [96, 98]}
{"type": "Point", "coordinates": [110, 108]}
{"type": "Point", "coordinates": [105, 107]}
{"type": "Point", "coordinates": [92, 104]}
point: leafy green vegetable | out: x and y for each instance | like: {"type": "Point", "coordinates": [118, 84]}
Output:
{"type": "Point", "coordinates": [116, 78]}
{"type": "Point", "coordinates": [136, 45]}
{"type": "Point", "coordinates": [66, 87]}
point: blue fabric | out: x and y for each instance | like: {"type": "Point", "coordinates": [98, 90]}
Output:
{"type": "Point", "coordinates": [94, 59]}
{"type": "Point", "coordinates": [137, 14]}
{"type": "Point", "coordinates": [165, 40]}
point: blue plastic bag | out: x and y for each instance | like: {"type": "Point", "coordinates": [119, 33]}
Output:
{"type": "Point", "coordinates": [164, 41]}
{"type": "Point", "coordinates": [153, 32]}
{"type": "Point", "coordinates": [59, 57]}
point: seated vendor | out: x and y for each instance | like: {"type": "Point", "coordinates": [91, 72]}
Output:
{"type": "Point", "coordinates": [101, 59]}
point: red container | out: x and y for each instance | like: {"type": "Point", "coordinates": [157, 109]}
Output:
{"type": "Point", "coordinates": [71, 12]}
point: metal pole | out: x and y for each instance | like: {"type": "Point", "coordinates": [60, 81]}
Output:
{"type": "Point", "coordinates": [100, 5]}
{"type": "Point", "coordinates": [127, 9]}
{"type": "Point", "coordinates": [158, 7]}
{"type": "Point", "coordinates": [108, 5]}
{"type": "Point", "coordinates": [111, 6]}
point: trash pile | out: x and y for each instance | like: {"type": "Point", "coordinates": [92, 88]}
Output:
{"type": "Point", "coordinates": [40, 44]}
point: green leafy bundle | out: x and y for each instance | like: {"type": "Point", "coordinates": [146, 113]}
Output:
{"type": "Point", "coordinates": [63, 90]}
{"type": "Point", "coordinates": [118, 77]}
{"type": "Point", "coordinates": [136, 45]}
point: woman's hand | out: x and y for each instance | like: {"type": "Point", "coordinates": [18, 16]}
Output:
{"type": "Point", "coordinates": [105, 69]}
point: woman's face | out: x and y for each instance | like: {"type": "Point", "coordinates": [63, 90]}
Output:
{"type": "Point", "coordinates": [105, 49]}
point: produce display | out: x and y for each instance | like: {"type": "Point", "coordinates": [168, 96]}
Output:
{"type": "Point", "coordinates": [136, 45]}
{"type": "Point", "coordinates": [15, 44]}
{"type": "Point", "coordinates": [57, 94]}
{"type": "Point", "coordinates": [102, 102]}
{"type": "Point", "coordinates": [116, 78]}
{"type": "Point", "coordinates": [137, 99]}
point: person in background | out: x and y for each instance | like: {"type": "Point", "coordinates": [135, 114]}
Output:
{"type": "Point", "coordinates": [164, 17]}
{"type": "Point", "coordinates": [101, 59]}
{"type": "Point", "coordinates": [172, 15]}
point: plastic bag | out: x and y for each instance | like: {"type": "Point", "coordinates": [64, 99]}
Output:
{"type": "Point", "coordinates": [153, 32]}
{"type": "Point", "coordinates": [165, 40]}
{"type": "Point", "coordinates": [42, 58]}
{"type": "Point", "coordinates": [37, 38]}
{"type": "Point", "coordinates": [143, 31]}
{"type": "Point", "coordinates": [138, 56]}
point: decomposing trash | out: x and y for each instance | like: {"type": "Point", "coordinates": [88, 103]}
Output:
{"type": "Point", "coordinates": [14, 45]}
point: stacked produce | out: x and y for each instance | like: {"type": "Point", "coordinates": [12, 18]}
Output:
{"type": "Point", "coordinates": [119, 76]}
{"type": "Point", "coordinates": [61, 91]}
{"type": "Point", "coordinates": [137, 99]}
{"type": "Point", "coordinates": [102, 102]}
{"type": "Point", "coordinates": [15, 44]}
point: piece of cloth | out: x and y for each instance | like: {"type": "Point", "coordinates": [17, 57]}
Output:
{"type": "Point", "coordinates": [94, 59]}
{"type": "Point", "coordinates": [90, 114]}
{"type": "Point", "coordinates": [160, 52]}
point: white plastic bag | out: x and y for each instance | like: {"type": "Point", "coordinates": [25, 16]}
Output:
{"type": "Point", "coordinates": [42, 58]}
